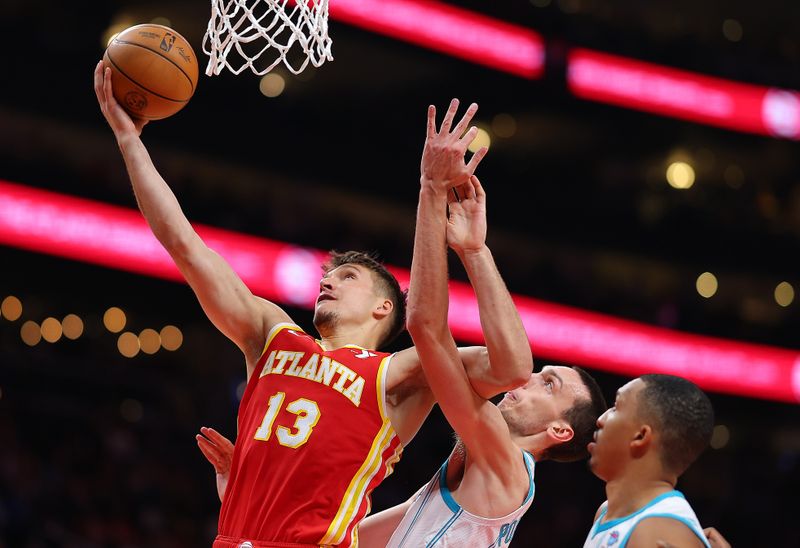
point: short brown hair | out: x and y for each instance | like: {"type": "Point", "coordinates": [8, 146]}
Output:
{"type": "Point", "coordinates": [387, 284]}
{"type": "Point", "coordinates": [582, 417]}
{"type": "Point", "coordinates": [683, 416]}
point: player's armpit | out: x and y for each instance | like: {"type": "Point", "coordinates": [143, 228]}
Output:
{"type": "Point", "coordinates": [669, 532]}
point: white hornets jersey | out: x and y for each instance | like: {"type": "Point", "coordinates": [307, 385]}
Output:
{"type": "Point", "coordinates": [436, 519]}
{"type": "Point", "coordinates": [616, 532]}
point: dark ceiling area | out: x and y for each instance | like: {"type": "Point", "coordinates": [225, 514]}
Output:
{"type": "Point", "coordinates": [580, 213]}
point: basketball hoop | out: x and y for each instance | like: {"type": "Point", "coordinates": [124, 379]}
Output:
{"type": "Point", "coordinates": [241, 32]}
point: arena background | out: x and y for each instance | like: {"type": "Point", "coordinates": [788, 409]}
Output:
{"type": "Point", "coordinates": [97, 449]}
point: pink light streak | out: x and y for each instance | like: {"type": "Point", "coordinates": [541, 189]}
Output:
{"type": "Point", "coordinates": [448, 29]}
{"type": "Point", "coordinates": [682, 94]}
{"type": "Point", "coordinates": [75, 228]}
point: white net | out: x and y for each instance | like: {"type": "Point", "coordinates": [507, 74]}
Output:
{"type": "Point", "coordinates": [260, 34]}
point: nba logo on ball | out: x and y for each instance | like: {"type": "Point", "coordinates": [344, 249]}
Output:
{"type": "Point", "coordinates": [167, 41]}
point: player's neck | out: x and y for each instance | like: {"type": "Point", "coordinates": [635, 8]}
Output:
{"type": "Point", "coordinates": [361, 335]}
{"type": "Point", "coordinates": [631, 492]}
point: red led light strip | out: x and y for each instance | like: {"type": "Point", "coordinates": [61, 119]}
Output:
{"type": "Point", "coordinates": [448, 29]}
{"type": "Point", "coordinates": [681, 94]}
{"type": "Point", "coordinates": [112, 236]}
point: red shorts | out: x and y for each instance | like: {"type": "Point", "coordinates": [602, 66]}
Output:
{"type": "Point", "coordinates": [230, 542]}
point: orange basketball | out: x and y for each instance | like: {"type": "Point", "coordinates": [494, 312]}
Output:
{"type": "Point", "coordinates": [153, 70]}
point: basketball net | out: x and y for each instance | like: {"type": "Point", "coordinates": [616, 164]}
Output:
{"type": "Point", "coordinates": [243, 31]}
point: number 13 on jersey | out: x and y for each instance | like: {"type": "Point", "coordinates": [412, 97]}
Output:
{"type": "Point", "coordinates": [307, 413]}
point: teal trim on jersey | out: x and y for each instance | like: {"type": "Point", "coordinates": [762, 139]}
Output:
{"type": "Point", "coordinates": [683, 520]}
{"type": "Point", "coordinates": [530, 464]}
{"type": "Point", "coordinates": [446, 494]}
{"type": "Point", "coordinates": [596, 523]}
{"type": "Point", "coordinates": [422, 505]}
{"type": "Point", "coordinates": [444, 529]}
{"type": "Point", "coordinates": [527, 458]}
{"type": "Point", "coordinates": [614, 522]}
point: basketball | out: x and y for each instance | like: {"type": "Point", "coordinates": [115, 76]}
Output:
{"type": "Point", "coordinates": [153, 70]}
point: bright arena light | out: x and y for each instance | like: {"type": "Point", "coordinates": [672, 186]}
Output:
{"type": "Point", "coordinates": [31, 333]}
{"type": "Point", "coordinates": [784, 294]}
{"type": "Point", "coordinates": [707, 284]}
{"type": "Point", "coordinates": [482, 139]}
{"type": "Point", "coordinates": [51, 330]}
{"type": "Point", "coordinates": [272, 84]}
{"type": "Point", "coordinates": [720, 436]}
{"type": "Point", "coordinates": [171, 338]}
{"type": "Point", "coordinates": [128, 344]}
{"type": "Point", "coordinates": [114, 319]}
{"type": "Point", "coordinates": [149, 341]}
{"type": "Point", "coordinates": [73, 326]}
{"type": "Point", "coordinates": [680, 175]}
{"type": "Point", "coordinates": [11, 308]}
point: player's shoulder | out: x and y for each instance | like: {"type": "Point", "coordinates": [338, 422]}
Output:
{"type": "Point", "coordinates": [404, 370]}
{"type": "Point", "coordinates": [601, 510]}
{"type": "Point", "coordinates": [672, 530]}
{"type": "Point", "coordinates": [288, 330]}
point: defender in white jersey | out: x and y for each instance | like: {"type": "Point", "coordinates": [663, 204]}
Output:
{"type": "Point", "coordinates": [435, 518]}
{"type": "Point", "coordinates": [672, 505]}
{"type": "Point", "coordinates": [658, 426]}
{"type": "Point", "coordinates": [487, 483]}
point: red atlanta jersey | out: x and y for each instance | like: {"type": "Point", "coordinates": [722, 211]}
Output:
{"type": "Point", "coordinates": [313, 442]}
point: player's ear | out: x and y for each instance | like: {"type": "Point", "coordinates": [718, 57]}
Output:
{"type": "Point", "coordinates": [560, 432]}
{"type": "Point", "coordinates": [642, 440]}
{"type": "Point", "coordinates": [384, 308]}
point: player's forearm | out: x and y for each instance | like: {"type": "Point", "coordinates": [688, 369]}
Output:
{"type": "Point", "coordinates": [505, 336]}
{"type": "Point", "coordinates": [156, 200]}
{"type": "Point", "coordinates": [427, 293]}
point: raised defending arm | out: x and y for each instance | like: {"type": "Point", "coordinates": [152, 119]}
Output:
{"type": "Point", "coordinates": [506, 340]}
{"type": "Point", "coordinates": [476, 420]}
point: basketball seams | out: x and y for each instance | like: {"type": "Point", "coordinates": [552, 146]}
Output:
{"type": "Point", "coordinates": [160, 54]}
{"type": "Point", "coordinates": [122, 72]}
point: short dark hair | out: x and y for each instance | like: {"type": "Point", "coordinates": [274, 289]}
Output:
{"type": "Point", "coordinates": [682, 415]}
{"type": "Point", "coordinates": [582, 417]}
{"type": "Point", "coordinates": [387, 284]}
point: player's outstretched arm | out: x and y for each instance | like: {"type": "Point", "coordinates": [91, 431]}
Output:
{"type": "Point", "coordinates": [226, 300]}
{"type": "Point", "coordinates": [477, 421]}
{"type": "Point", "coordinates": [506, 339]}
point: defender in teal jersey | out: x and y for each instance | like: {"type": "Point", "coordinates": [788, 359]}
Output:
{"type": "Point", "coordinates": [658, 426]}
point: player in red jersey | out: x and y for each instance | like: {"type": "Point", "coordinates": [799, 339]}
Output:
{"type": "Point", "coordinates": [329, 415]}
